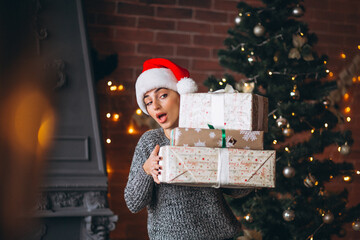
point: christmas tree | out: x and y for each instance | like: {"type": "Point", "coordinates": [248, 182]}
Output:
{"type": "Point", "coordinates": [274, 52]}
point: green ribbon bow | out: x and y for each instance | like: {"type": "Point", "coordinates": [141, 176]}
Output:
{"type": "Point", "coordinates": [223, 137]}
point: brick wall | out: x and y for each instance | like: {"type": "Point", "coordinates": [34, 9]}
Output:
{"type": "Point", "coordinates": [190, 32]}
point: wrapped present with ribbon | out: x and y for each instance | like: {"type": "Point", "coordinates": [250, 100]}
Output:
{"type": "Point", "coordinates": [225, 109]}
{"type": "Point", "coordinates": [217, 138]}
{"type": "Point", "coordinates": [217, 167]}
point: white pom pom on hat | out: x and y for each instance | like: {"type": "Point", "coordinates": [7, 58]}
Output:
{"type": "Point", "coordinates": [162, 73]}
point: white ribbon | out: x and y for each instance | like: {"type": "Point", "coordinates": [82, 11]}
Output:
{"type": "Point", "coordinates": [217, 106]}
{"type": "Point", "coordinates": [223, 167]}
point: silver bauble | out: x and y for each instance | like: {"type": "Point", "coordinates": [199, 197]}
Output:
{"type": "Point", "coordinates": [289, 215]}
{"type": "Point", "coordinates": [345, 149]}
{"type": "Point", "coordinates": [356, 225]}
{"type": "Point", "coordinates": [281, 122]}
{"type": "Point", "coordinates": [238, 20]}
{"type": "Point", "coordinates": [297, 11]}
{"type": "Point", "coordinates": [259, 30]}
{"type": "Point", "coordinates": [295, 94]}
{"type": "Point", "coordinates": [288, 132]}
{"type": "Point", "coordinates": [289, 172]}
{"type": "Point", "coordinates": [309, 181]}
{"type": "Point", "coordinates": [328, 218]}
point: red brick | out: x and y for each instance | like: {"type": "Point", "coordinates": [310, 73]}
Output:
{"type": "Point", "coordinates": [193, 52]}
{"type": "Point", "coordinates": [208, 40]}
{"type": "Point", "coordinates": [344, 6]}
{"type": "Point", "coordinates": [156, 50]}
{"type": "Point", "coordinates": [192, 3]}
{"type": "Point", "coordinates": [178, 13]}
{"type": "Point", "coordinates": [135, 9]}
{"type": "Point", "coordinates": [96, 32]}
{"type": "Point", "coordinates": [206, 65]}
{"type": "Point", "coordinates": [316, 26]}
{"type": "Point", "coordinates": [221, 29]}
{"type": "Point", "coordinates": [107, 19]}
{"type": "Point", "coordinates": [115, 46]}
{"type": "Point", "coordinates": [210, 16]}
{"type": "Point", "coordinates": [156, 24]}
{"type": "Point", "coordinates": [99, 6]}
{"type": "Point", "coordinates": [318, 5]}
{"type": "Point", "coordinates": [172, 38]}
{"type": "Point", "coordinates": [331, 38]}
{"type": "Point", "coordinates": [134, 35]}
{"type": "Point", "coordinates": [193, 27]}
{"type": "Point", "coordinates": [226, 5]}
{"type": "Point", "coordinates": [134, 60]}
{"type": "Point", "coordinates": [352, 41]}
{"type": "Point", "coordinates": [162, 2]}
{"type": "Point", "coordinates": [343, 28]}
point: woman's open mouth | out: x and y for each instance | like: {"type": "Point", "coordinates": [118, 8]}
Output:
{"type": "Point", "coordinates": [162, 117]}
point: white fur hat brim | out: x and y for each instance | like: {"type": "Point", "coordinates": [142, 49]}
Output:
{"type": "Point", "coordinates": [161, 78]}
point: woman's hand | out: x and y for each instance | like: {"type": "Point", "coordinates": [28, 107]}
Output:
{"type": "Point", "coordinates": [151, 166]}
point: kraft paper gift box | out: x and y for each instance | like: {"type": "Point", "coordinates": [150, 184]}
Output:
{"type": "Point", "coordinates": [198, 137]}
{"type": "Point", "coordinates": [217, 167]}
{"type": "Point", "coordinates": [243, 111]}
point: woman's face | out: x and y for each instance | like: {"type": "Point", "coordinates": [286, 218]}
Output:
{"type": "Point", "coordinates": [163, 105]}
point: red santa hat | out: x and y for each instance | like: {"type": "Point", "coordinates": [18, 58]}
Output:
{"type": "Point", "coordinates": [162, 73]}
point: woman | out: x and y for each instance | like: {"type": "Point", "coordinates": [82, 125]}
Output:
{"type": "Point", "coordinates": [174, 212]}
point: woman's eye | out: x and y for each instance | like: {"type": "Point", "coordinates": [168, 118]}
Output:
{"type": "Point", "coordinates": [148, 103]}
{"type": "Point", "coordinates": [164, 95]}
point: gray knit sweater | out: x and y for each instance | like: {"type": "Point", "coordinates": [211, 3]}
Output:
{"type": "Point", "coordinates": [177, 212]}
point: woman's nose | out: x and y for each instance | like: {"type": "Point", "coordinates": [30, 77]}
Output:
{"type": "Point", "coordinates": [156, 105]}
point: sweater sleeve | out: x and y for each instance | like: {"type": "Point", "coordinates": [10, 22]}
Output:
{"type": "Point", "coordinates": [139, 188]}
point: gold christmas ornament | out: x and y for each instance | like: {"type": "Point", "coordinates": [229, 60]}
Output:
{"type": "Point", "coordinates": [356, 225]}
{"type": "Point", "coordinates": [288, 132]}
{"type": "Point", "coordinates": [294, 54]}
{"type": "Point", "coordinates": [309, 181]}
{"type": "Point", "coordinates": [281, 122]}
{"type": "Point", "coordinates": [345, 149]}
{"type": "Point", "coordinates": [328, 218]}
{"type": "Point", "coordinates": [259, 30]}
{"type": "Point", "coordinates": [289, 215]}
{"type": "Point", "coordinates": [298, 40]}
{"type": "Point", "coordinates": [289, 172]}
{"type": "Point", "coordinates": [297, 11]}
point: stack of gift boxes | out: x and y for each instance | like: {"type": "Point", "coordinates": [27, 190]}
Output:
{"type": "Point", "coordinates": [219, 142]}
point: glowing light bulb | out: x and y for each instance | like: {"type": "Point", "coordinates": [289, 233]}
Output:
{"type": "Point", "coordinates": [113, 88]}
{"type": "Point", "coordinates": [108, 115]}
{"type": "Point", "coordinates": [359, 47]}
{"type": "Point", "coordinates": [275, 142]}
{"type": "Point", "coordinates": [346, 96]}
{"type": "Point", "coordinates": [312, 130]}
{"type": "Point", "coordinates": [358, 172]}
{"type": "Point", "coordinates": [325, 62]}
{"type": "Point", "coordinates": [347, 109]}
{"type": "Point", "coordinates": [292, 114]}
{"type": "Point", "coordinates": [343, 55]}
{"type": "Point", "coordinates": [224, 79]}
{"type": "Point", "coordinates": [116, 117]}
{"type": "Point", "coordinates": [347, 178]}
{"type": "Point", "coordinates": [121, 87]}
{"type": "Point", "coordinates": [138, 111]}
{"type": "Point", "coordinates": [221, 83]}
{"type": "Point", "coordinates": [311, 159]}
{"type": "Point", "coordinates": [339, 149]}
{"type": "Point", "coordinates": [327, 71]}
{"type": "Point", "coordinates": [287, 149]}
{"type": "Point", "coordinates": [354, 79]}
{"type": "Point", "coordinates": [326, 125]}
{"type": "Point", "coordinates": [270, 73]}
{"type": "Point", "coordinates": [348, 119]}
{"type": "Point", "coordinates": [301, 34]}
{"type": "Point", "coordinates": [109, 83]}
{"type": "Point", "coordinates": [359, 78]}
{"type": "Point", "coordinates": [274, 116]}
{"type": "Point", "coordinates": [131, 130]}
{"type": "Point", "coordinates": [331, 74]}
{"type": "Point", "coordinates": [108, 140]}
{"type": "Point", "coordinates": [331, 177]}
{"type": "Point", "coordinates": [293, 78]}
